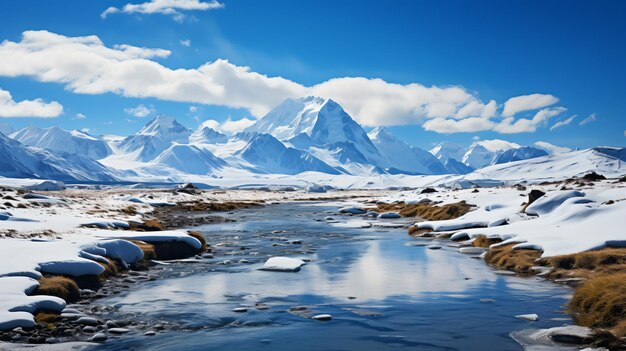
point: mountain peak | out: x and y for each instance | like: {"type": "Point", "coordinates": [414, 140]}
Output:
{"type": "Point", "coordinates": [163, 126]}
{"type": "Point", "coordinates": [381, 133]}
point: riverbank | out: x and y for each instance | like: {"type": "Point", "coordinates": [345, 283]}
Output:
{"type": "Point", "coordinates": [76, 245]}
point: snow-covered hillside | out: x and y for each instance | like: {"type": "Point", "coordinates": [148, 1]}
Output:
{"type": "Point", "coordinates": [62, 141]}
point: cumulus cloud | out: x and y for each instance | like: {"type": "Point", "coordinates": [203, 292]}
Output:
{"type": "Point", "coordinates": [80, 116]}
{"type": "Point", "coordinates": [591, 118]}
{"type": "Point", "coordinates": [139, 111]}
{"type": "Point", "coordinates": [193, 109]}
{"type": "Point", "coordinates": [185, 42]}
{"type": "Point", "coordinates": [562, 123]}
{"type": "Point", "coordinates": [527, 103]}
{"type": "Point", "coordinates": [85, 65]}
{"type": "Point", "coordinates": [552, 149]}
{"type": "Point", "coordinates": [229, 126]}
{"type": "Point", "coordinates": [523, 125]}
{"type": "Point", "coordinates": [165, 7]}
{"type": "Point", "coordinates": [27, 108]}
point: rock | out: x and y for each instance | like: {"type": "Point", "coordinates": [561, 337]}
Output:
{"type": "Point", "coordinates": [240, 309]}
{"type": "Point", "coordinates": [528, 317]}
{"type": "Point", "coordinates": [87, 321]}
{"type": "Point", "coordinates": [504, 272]}
{"type": "Point", "coordinates": [89, 329]}
{"type": "Point", "coordinates": [322, 317]}
{"type": "Point", "coordinates": [428, 191]}
{"type": "Point", "coordinates": [389, 215]}
{"type": "Point", "coordinates": [534, 195]}
{"type": "Point", "coordinates": [352, 210]}
{"type": "Point", "coordinates": [112, 324]}
{"type": "Point", "coordinates": [52, 340]}
{"type": "Point", "coordinates": [98, 337]}
{"type": "Point", "coordinates": [472, 250]}
{"type": "Point", "coordinates": [37, 339]}
{"type": "Point", "coordinates": [261, 306]}
{"type": "Point", "coordinates": [282, 264]}
{"type": "Point", "coordinates": [150, 333]}
{"type": "Point", "coordinates": [71, 310]}
{"type": "Point", "coordinates": [118, 330]}
{"type": "Point", "coordinates": [433, 247]}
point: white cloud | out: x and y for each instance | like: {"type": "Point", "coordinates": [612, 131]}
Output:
{"type": "Point", "coordinates": [229, 126]}
{"type": "Point", "coordinates": [591, 118]}
{"type": "Point", "coordinates": [527, 103]}
{"type": "Point", "coordinates": [475, 138]}
{"type": "Point", "coordinates": [193, 109]}
{"type": "Point", "coordinates": [523, 125]}
{"type": "Point", "coordinates": [165, 7]}
{"type": "Point", "coordinates": [563, 122]}
{"type": "Point", "coordinates": [80, 116]}
{"type": "Point", "coordinates": [27, 108]}
{"type": "Point", "coordinates": [552, 149]}
{"type": "Point", "coordinates": [86, 66]}
{"type": "Point", "coordinates": [447, 126]}
{"type": "Point", "coordinates": [139, 110]}
{"type": "Point", "coordinates": [185, 42]}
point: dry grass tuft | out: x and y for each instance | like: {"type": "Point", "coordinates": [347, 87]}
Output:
{"type": "Point", "coordinates": [129, 210]}
{"type": "Point", "coordinates": [505, 257]}
{"type": "Point", "coordinates": [601, 302]}
{"type": "Point", "coordinates": [200, 237]}
{"type": "Point", "coordinates": [428, 211]}
{"type": "Point", "coordinates": [590, 260]}
{"type": "Point", "coordinates": [46, 317]}
{"type": "Point", "coordinates": [149, 253]}
{"type": "Point", "coordinates": [59, 286]}
{"type": "Point", "coordinates": [150, 225]}
{"type": "Point", "coordinates": [111, 269]}
{"type": "Point", "coordinates": [483, 241]}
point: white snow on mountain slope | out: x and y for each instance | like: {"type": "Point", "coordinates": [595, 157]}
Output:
{"type": "Point", "coordinates": [456, 167]}
{"type": "Point", "coordinates": [610, 162]}
{"type": "Point", "coordinates": [446, 150]}
{"type": "Point", "coordinates": [402, 157]}
{"type": "Point", "coordinates": [62, 141]}
{"type": "Point", "coordinates": [189, 159]}
{"type": "Point", "coordinates": [269, 155]}
{"type": "Point", "coordinates": [154, 138]}
{"type": "Point", "coordinates": [477, 156]}
{"type": "Point", "coordinates": [207, 135]}
{"type": "Point", "coordinates": [19, 161]}
{"type": "Point", "coordinates": [518, 154]}
{"type": "Point", "coordinates": [323, 120]}
{"type": "Point", "coordinates": [6, 129]}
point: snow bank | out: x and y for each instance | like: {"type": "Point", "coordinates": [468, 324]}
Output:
{"type": "Point", "coordinates": [32, 184]}
{"type": "Point", "coordinates": [563, 222]}
{"type": "Point", "coordinates": [152, 203]}
{"type": "Point", "coordinates": [159, 236]}
{"type": "Point", "coordinates": [17, 308]}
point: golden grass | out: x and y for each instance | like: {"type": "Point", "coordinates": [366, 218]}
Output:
{"type": "Point", "coordinates": [59, 286]}
{"type": "Point", "coordinates": [483, 241]}
{"type": "Point", "coordinates": [46, 317]}
{"type": "Point", "coordinates": [428, 211]}
{"type": "Point", "coordinates": [110, 269]}
{"type": "Point", "coordinates": [590, 260]}
{"type": "Point", "coordinates": [129, 210]}
{"type": "Point", "coordinates": [200, 238]}
{"type": "Point", "coordinates": [505, 257]}
{"type": "Point", "coordinates": [150, 225]}
{"type": "Point", "coordinates": [600, 302]}
{"type": "Point", "coordinates": [149, 253]}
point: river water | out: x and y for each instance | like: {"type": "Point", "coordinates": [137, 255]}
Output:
{"type": "Point", "coordinates": [383, 292]}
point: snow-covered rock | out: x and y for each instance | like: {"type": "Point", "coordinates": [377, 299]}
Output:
{"type": "Point", "coordinates": [283, 264]}
{"type": "Point", "coordinates": [207, 135]}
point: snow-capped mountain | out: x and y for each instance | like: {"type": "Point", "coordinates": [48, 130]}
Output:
{"type": "Point", "coordinates": [6, 129]}
{"type": "Point", "coordinates": [446, 150]}
{"type": "Point", "coordinates": [325, 123]}
{"type": "Point", "coordinates": [63, 141]}
{"type": "Point", "coordinates": [455, 167]}
{"type": "Point", "coordinates": [154, 138]}
{"type": "Point", "coordinates": [518, 154]}
{"type": "Point", "coordinates": [268, 155]}
{"type": "Point", "coordinates": [190, 159]}
{"type": "Point", "coordinates": [19, 161]}
{"type": "Point", "coordinates": [477, 156]}
{"type": "Point", "coordinates": [207, 135]}
{"type": "Point", "coordinates": [400, 157]}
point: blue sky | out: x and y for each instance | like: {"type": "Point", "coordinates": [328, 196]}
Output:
{"type": "Point", "coordinates": [495, 50]}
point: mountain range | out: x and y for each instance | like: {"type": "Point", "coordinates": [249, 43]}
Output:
{"type": "Point", "coordinates": [310, 134]}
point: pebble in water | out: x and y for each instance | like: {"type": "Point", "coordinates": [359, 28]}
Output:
{"type": "Point", "coordinates": [323, 317]}
{"type": "Point", "coordinates": [240, 309]}
{"type": "Point", "coordinates": [98, 337]}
